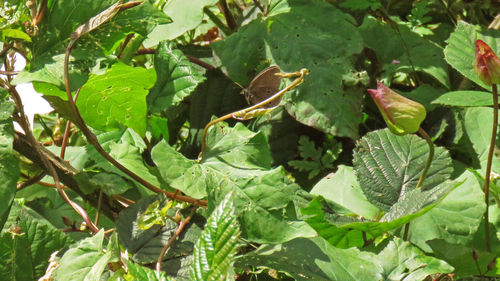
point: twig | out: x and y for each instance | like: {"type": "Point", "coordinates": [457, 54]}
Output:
{"type": "Point", "coordinates": [176, 234]}
{"type": "Point", "coordinates": [30, 181]}
{"type": "Point", "coordinates": [487, 176]}
{"type": "Point", "coordinates": [3, 72]}
{"type": "Point", "coordinates": [96, 221]}
{"type": "Point", "coordinates": [67, 129]}
{"type": "Point", "coordinates": [200, 63]}
{"type": "Point", "coordinates": [231, 23]}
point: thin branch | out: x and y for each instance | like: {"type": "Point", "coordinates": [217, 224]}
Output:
{"type": "Point", "coordinates": [257, 3]}
{"type": "Point", "coordinates": [176, 234]}
{"type": "Point", "coordinates": [3, 72]}
{"type": "Point", "coordinates": [67, 129]}
{"type": "Point", "coordinates": [96, 221]}
{"type": "Point", "coordinates": [30, 181]}
{"type": "Point", "coordinates": [200, 63]}
{"type": "Point", "coordinates": [487, 176]}
{"type": "Point", "coordinates": [231, 23]}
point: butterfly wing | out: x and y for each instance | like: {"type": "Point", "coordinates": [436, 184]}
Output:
{"type": "Point", "coordinates": [263, 86]}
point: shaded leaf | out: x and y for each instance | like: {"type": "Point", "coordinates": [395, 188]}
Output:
{"type": "Point", "coordinates": [399, 49]}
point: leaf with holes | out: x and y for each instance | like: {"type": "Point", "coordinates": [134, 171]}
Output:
{"type": "Point", "coordinates": [107, 103]}
{"type": "Point", "coordinates": [389, 166]}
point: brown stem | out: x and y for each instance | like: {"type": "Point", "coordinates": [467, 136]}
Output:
{"type": "Point", "coordinates": [200, 63]}
{"type": "Point", "coordinates": [96, 221]}
{"type": "Point", "coordinates": [488, 167]}
{"type": "Point", "coordinates": [172, 239]}
{"type": "Point", "coordinates": [231, 23]}
{"type": "Point", "coordinates": [257, 3]}
{"type": "Point", "coordinates": [3, 72]}
{"type": "Point", "coordinates": [146, 51]}
{"type": "Point", "coordinates": [30, 181]}
{"type": "Point", "coordinates": [66, 130]}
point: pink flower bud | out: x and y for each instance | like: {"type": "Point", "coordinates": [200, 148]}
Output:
{"type": "Point", "coordinates": [487, 64]}
{"type": "Point", "coordinates": [402, 116]}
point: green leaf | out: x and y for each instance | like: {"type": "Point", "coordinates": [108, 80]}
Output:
{"type": "Point", "coordinates": [356, 5]}
{"type": "Point", "coordinates": [60, 20]}
{"type": "Point", "coordinates": [185, 16]}
{"type": "Point", "coordinates": [401, 260]}
{"type": "Point", "coordinates": [106, 102]}
{"type": "Point", "coordinates": [345, 232]}
{"type": "Point", "coordinates": [176, 78]}
{"type": "Point", "coordinates": [477, 123]}
{"type": "Point", "coordinates": [9, 168]}
{"type": "Point", "coordinates": [455, 219]}
{"type": "Point", "coordinates": [139, 273]}
{"type": "Point", "coordinates": [342, 188]}
{"type": "Point", "coordinates": [214, 251]}
{"type": "Point", "coordinates": [84, 261]}
{"type": "Point", "coordinates": [26, 243]}
{"type": "Point", "coordinates": [318, 32]}
{"type": "Point", "coordinates": [388, 166]}
{"type": "Point", "coordinates": [461, 258]}
{"type": "Point", "coordinates": [14, 33]}
{"type": "Point", "coordinates": [465, 99]}
{"type": "Point", "coordinates": [405, 50]}
{"type": "Point", "coordinates": [461, 51]}
{"type": "Point", "coordinates": [146, 245]}
{"type": "Point", "coordinates": [237, 158]}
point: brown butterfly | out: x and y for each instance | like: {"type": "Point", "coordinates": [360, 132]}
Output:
{"type": "Point", "coordinates": [263, 86]}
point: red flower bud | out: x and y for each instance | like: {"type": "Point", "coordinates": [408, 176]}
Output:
{"type": "Point", "coordinates": [487, 64]}
{"type": "Point", "coordinates": [402, 116]}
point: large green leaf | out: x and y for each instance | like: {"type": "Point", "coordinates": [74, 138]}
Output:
{"type": "Point", "coordinates": [9, 169]}
{"type": "Point", "coordinates": [455, 219]}
{"type": "Point", "coordinates": [465, 99]}
{"type": "Point", "coordinates": [185, 16]}
{"type": "Point", "coordinates": [477, 123]}
{"type": "Point", "coordinates": [321, 39]}
{"type": "Point", "coordinates": [388, 166]}
{"type": "Point", "coordinates": [214, 251]}
{"type": "Point", "coordinates": [84, 261]}
{"type": "Point", "coordinates": [176, 78]}
{"type": "Point", "coordinates": [107, 103]}
{"type": "Point", "coordinates": [399, 49]}
{"type": "Point", "coordinates": [401, 260]}
{"type": "Point", "coordinates": [461, 51]}
{"type": "Point", "coordinates": [26, 243]}
{"type": "Point", "coordinates": [343, 189]}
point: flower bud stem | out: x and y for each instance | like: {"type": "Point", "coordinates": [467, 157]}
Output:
{"type": "Point", "coordinates": [488, 166]}
{"type": "Point", "coordinates": [428, 139]}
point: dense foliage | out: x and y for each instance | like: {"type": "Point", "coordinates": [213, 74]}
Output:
{"type": "Point", "coordinates": [124, 180]}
